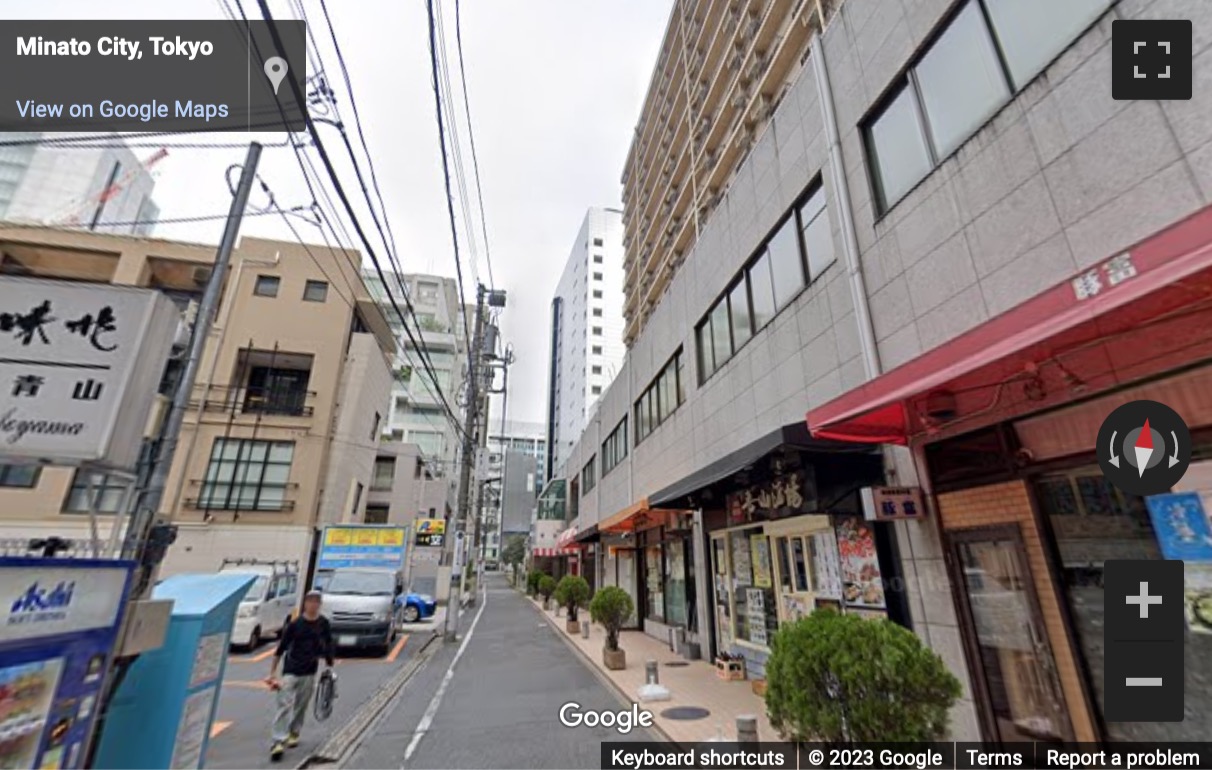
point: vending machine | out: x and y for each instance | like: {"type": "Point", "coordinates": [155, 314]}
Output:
{"type": "Point", "coordinates": [59, 623]}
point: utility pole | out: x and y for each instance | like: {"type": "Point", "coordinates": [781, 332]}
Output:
{"type": "Point", "coordinates": [139, 542]}
{"type": "Point", "coordinates": [471, 440]}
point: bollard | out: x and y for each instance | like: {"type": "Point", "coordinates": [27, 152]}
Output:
{"type": "Point", "coordinates": [651, 672]}
{"type": "Point", "coordinates": [584, 629]}
{"type": "Point", "coordinates": [746, 729]}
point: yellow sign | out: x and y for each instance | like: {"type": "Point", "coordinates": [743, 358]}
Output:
{"type": "Point", "coordinates": [393, 537]}
{"type": "Point", "coordinates": [431, 526]}
{"type": "Point", "coordinates": [338, 536]}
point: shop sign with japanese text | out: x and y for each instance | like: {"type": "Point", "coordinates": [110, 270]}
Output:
{"type": "Point", "coordinates": [80, 365]}
{"type": "Point", "coordinates": [892, 503]}
{"type": "Point", "coordinates": [784, 496]}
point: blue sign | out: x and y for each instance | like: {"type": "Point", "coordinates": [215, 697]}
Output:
{"type": "Point", "coordinates": [1181, 525]}
{"type": "Point", "coordinates": [371, 547]}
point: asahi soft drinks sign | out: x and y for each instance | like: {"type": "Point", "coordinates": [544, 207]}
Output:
{"type": "Point", "coordinates": [79, 367]}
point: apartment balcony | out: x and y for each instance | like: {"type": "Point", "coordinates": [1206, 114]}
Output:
{"type": "Point", "coordinates": [257, 402]}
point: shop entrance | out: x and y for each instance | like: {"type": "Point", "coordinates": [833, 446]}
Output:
{"type": "Point", "coordinates": [1021, 688]}
{"type": "Point", "coordinates": [798, 548]}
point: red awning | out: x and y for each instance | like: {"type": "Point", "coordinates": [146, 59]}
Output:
{"type": "Point", "coordinates": [566, 537]}
{"type": "Point", "coordinates": [1138, 313]}
{"type": "Point", "coordinates": [556, 551]}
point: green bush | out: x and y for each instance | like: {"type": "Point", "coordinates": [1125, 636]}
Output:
{"type": "Point", "coordinates": [611, 606]}
{"type": "Point", "coordinates": [572, 592]}
{"type": "Point", "coordinates": [532, 581]}
{"type": "Point", "coordinates": [842, 679]}
{"type": "Point", "coordinates": [547, 587]}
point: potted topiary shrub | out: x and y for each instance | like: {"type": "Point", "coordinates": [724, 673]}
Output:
{"type": "Point", "coordinates": [611, 606]}
{"type": "Point", "coordinates": [846, 679]}
{"type": "Point", "coordinates": [532, 582]}
{"type": "Point", "coordinates": [572, 592]}
{"type": "Point", "coordinates": [547, 587]}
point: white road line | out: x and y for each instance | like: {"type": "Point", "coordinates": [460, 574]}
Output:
{"type": "Point", "coordinates": [432, 709]}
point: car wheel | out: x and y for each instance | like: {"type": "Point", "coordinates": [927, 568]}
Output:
{"type": "Point", "coordinates": [254, 639]}
{"type": "Point", "coordinates": [411, 614]}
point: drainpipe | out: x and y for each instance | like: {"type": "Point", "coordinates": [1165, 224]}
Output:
{"type": "Point", "coordinates": [214, 366]}
{"type": "Point", "coordinates": [837, 170]}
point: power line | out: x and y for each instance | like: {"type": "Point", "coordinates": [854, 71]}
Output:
{"type": "Point", "coordinates": [12, 225]}
{"type": "Point", "coordinates": [475, 162]}
{"type": "Point", "coordinates": [454, 234]}
{"type": "Point", "coordinates": [340, 190]}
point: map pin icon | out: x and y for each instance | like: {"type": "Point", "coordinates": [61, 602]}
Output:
{"type": "Point", "coordinates": [275, 70]}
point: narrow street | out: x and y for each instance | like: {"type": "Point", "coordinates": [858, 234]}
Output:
{"type": "Point", "coordinates": [499, 706]}
{"type": "Point", "coordinates": [240, 733]}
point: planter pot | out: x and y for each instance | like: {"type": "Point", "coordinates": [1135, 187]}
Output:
{"type": "Point", "coordinates": [572, 627]}
{"type": "Point", "coordinates": [614, 660]}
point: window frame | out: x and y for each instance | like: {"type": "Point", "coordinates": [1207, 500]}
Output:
{"type": "Point", "coordinates": [80, 486]}
{"type": "Point", "coordinates": [7, 469]}
{"type": "Point", "coordinates": [232, 501]}
{"type": "Point", "coordinates": [614, 448]}
{"type": "Point", "coordinates": [649, 409]}
{"type": "Point", "coordinates": [589, 476]}
{"type": "Point", "coordinates": [311, 284]}
{"type": "Point", "coordinates": [275, 280]}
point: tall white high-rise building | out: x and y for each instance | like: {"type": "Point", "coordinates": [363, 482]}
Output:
{"type": "Point", "coordinates": [586, 330]}
{"type": "Point", "coordinates": [107, 189]}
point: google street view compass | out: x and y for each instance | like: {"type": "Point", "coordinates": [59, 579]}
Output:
{"type": "Point", "coordinates": [1144, 448]}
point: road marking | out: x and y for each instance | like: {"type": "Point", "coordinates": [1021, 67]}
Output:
{"type": "Point", "coordinates": [255, 684]}
{"type": "Point", "coordinates": [263, 655]}
{"type": "Point", "coordinates": [218, 727]}
{"type": "Point", "coordinates": [395, 651]}
{"type": "Point", "coordinates": [432, 710]}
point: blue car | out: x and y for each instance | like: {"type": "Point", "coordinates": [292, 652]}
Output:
{"type": "Point", "coordinates": [413, 607]}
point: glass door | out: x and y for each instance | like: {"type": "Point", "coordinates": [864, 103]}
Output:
{"type": "Point", "coordinates": [1021, 689]}
{"type": "Point", "coordinates": [792, 583]}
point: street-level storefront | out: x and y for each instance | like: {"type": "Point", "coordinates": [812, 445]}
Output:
{"type": "Point", "coordinates": [783, 534]}
{"type": "Point", "coordinates": [644, 552]}
{"type": "Point", "coordinates": [1003, 421]}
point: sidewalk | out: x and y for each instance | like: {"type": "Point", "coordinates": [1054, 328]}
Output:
{"type": "Point", "coordinates": [694, 684]}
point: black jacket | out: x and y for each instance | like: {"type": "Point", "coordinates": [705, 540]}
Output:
{"type": "Point", "coordinates": [304, 642]}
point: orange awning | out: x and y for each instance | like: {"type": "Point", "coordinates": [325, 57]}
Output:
{"type": "Point", "coordinates": [635, 516]}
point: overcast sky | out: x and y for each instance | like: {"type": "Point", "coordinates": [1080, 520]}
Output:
{"type": "Point", "coordinates": [555, 89]}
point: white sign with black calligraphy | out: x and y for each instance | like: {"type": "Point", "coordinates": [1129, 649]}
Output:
{"type": "Point", "coordinates": [79, 367]}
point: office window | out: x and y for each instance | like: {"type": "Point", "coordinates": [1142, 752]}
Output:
{"type": "Point", "coordinates": [315, 291]}
{"type": "Point", "coordinates": [706, 350]}
{"type": "Point", "coordinates": [108, 492]}
{"type": "Point", "coordinates": [384, 474]}
{"type": "Point", "coordinates": [596, 370]}
{"type": "Point", "coordinates": [597, 241]}
{"type": "Point", "coordinates": [597, 350]}
{"type": "Point", "coordinates": [721, 336]}
{"type": "Point", "coordinates": [266, 286]}
{"type": "Point", "coordinates": [357, 501]}
{"type": "Point", "coordinates": [589, 477]}
{"type": "Point", "coordinates": [597, 331]}
{"type": "Point", "coordinates": [961, 81]}
{"type": "Point", "coordinates": [597, 259]}
{"type": "Point", "coordinates": [1033, 32]}
{"type": "Point", "coordinates": [597, 276]}
{"type": "Point", "coordinates": [738, 308]}
{"type": "Point", "coordinates": [786, 263]}
{"type": "Point", "coordinates": [597, 312]}
{"type": "Point", "coordinates": [761, 289]}
{"type": "Point", "coordinates": [898, 148]}
{"type": "Point", "coordinates": [597, 293]}
{"type": "Point", "coordinates": [660, 399]}
{"type": "Point", "coordinates": [247, 475]}
{"type": "Point", "coordinates": [374, 429]}
{"type": "Point", "coordinates": [818, 236]}
{"type": "Point", "coordinates": [614, 448]}
{"type": "Point", "coordinates": [596, 390]}
{"type": "Point", "coordinates": [376, 514]}
{"type": "Point", "coordinates": [19, 475]}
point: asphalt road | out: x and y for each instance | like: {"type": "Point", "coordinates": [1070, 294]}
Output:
{"type": "Point", "coordinates": [240, 733]}
{"type": "Point", "coordinates": [500, 706]}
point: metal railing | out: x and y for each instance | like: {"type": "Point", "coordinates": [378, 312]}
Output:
{"type": "Point", "coordinates": [258, 401]}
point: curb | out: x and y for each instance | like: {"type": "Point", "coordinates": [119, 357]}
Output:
{"type": "Point", "coordinates": [342, 743]}
{"type": "Point", "coordinates": [601, 675]}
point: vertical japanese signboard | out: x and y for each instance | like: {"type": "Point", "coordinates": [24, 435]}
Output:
{"type": "Point", "coordinates": [80, 364]}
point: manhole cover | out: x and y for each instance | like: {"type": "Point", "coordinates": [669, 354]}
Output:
{"type": "Point", "coordinates": [686, 713]}
{"type": "Point", "coordinates": [677, 663]}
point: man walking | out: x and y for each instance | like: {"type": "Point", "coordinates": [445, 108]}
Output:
{"type": "Point", "coordinates": [305, 641]}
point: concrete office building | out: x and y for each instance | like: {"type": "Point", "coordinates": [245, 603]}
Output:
{"type": "Point", "coordinates": [282, 433]}
{"type": "Point", "coordinates": [586, 330]}
{"type": "Point", "coordinates": [416, 415]}
{"type": "Point", "coordinates": [722, 70]}
{"type": "Point", "coordinates": [516, 457]}
{"type": "Point", "coordinates": [956, 256]}
{"type": "Point", "coordinates": [66, 186]}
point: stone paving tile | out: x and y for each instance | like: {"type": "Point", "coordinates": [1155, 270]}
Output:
{"type": "Point", "coordinates": [695, 684]}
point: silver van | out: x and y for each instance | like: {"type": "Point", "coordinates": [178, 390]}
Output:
{"type": "Point", "coordinates": [361, 605]}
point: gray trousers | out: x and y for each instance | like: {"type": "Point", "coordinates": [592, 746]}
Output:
{"type": "Point", "coordinates": [293, 699]}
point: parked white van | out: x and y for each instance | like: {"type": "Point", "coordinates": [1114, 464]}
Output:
{"type": "Point", "coordinates": [269, 604]}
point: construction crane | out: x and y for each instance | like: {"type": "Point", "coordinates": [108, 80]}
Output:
{"type": "Point", "coordinates": [92, 206]}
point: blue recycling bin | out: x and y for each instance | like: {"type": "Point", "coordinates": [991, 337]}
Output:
{"type": "Point", "coordinates": [161, 714]}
